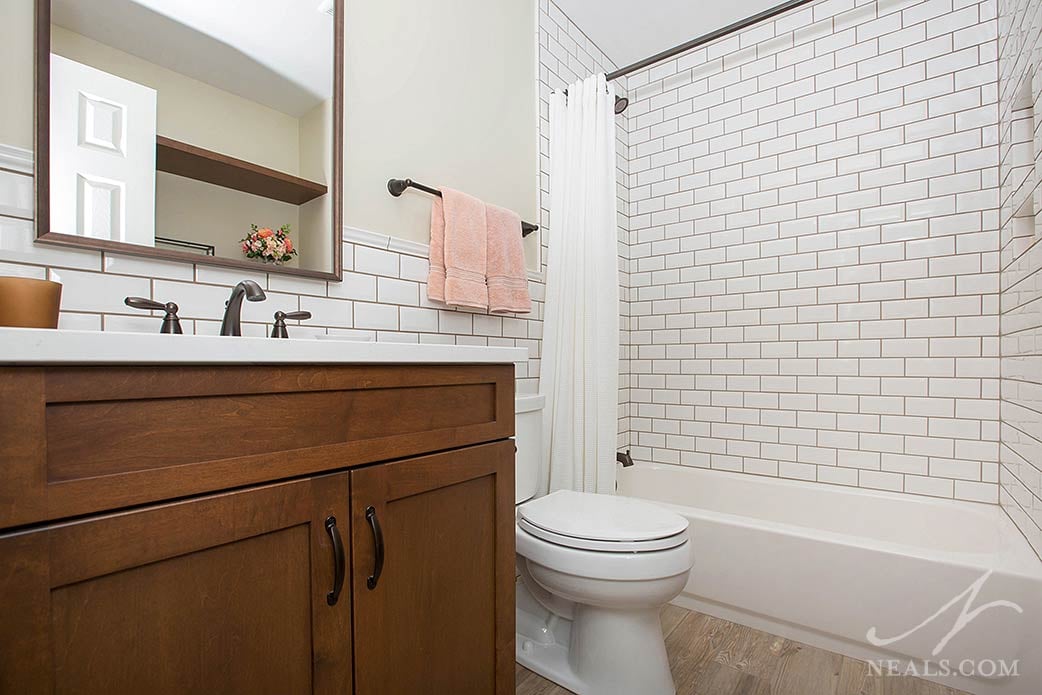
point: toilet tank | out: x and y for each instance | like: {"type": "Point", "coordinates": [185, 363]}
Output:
{"type": "Point", "coordinates": [528, 428]}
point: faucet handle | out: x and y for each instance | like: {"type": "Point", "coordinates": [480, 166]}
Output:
{"type": "Point", "coordinates": [278, 330]}
{"type": "Point", "coordinates": [143, 303]}
{"type": "Point", "coordinates": [171, 322]}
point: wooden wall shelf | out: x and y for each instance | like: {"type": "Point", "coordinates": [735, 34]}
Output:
{"type": "Point", "coordinates": [182, 159]}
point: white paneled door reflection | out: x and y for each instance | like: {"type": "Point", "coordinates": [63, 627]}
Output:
{"type": "Point", "coordinates": [103, 154]}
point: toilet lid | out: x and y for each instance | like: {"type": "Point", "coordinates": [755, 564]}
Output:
{"type": "Point", "coordinates": [602, 522]}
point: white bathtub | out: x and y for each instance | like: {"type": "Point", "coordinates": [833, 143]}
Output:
{"type": "Point", "coordinates": [822, 564]}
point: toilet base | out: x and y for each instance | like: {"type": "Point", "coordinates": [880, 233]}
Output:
{"type": "Point", "coordinates": [598, 652]}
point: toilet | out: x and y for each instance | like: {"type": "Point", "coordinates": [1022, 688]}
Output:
{"type": "Point", "coordinates": [593, 573]}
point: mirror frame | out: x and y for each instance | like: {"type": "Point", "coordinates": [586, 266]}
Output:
{"type": "Point", "coordinates": [42, 168]}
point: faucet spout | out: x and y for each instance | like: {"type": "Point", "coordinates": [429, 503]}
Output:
{"type": "Point", "coordinates": [232, 322]}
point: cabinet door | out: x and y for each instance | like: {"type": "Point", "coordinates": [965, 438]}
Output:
{"type": "Point", "coordinates": [220, 594]}
{"type": "Point", "coordinates": [438, 615]}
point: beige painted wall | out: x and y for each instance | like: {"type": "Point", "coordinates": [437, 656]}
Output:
{"type": "Point", "coordinates": [16, 73]}
{"type": "Point", "coordinates": [440, 92]}
{"type": "Point", "coordinates": [316, 164]}
{"type": "Point", "coordinates": [444, 93]}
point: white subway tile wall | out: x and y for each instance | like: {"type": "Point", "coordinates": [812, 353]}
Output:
{"type": "Point", "coordinates": [814, 250]}
{"type": "Point", "coordinates": [1020, 145]}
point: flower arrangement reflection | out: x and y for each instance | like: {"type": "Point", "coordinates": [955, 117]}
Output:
{"type": "Point", "coordinates": [269, 245]}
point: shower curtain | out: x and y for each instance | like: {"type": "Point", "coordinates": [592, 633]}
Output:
{"type": "Point", "coordinates": [579, 373]}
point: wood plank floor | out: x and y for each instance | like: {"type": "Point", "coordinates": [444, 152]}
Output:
{"type": "Point", "coordinates": [710, 656]}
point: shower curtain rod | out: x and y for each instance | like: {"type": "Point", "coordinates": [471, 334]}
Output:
{"type": "Point", "coordinates": [704, 39]}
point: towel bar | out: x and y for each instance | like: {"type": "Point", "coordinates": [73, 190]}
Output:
{"type": "Point", "coordinates": [397, 186]}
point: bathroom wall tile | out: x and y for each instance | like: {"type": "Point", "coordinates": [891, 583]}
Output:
{"type": "Point", "coordinates": [71, 321]}
{"type": "Point", "coordinates": [16, 194]}
{"type": "Point", "coordinates": [328, 312]}
{"type": "Point", "coordinates": [391, 291]}
{"type": "Point", "coordinates": [296, 285]}
{"type": "Point", "coordinates": [229, 277]}
{"type": "Point", "coordinates": [418, 320]}
{"type": "Point", "coordinates": [976, 492]}
{"type": "Point", "coordinates": [354, 286]}
{"type": "Point", "coordinates": [82, 291]}
{"type": "Point", "coordinates": [17, 246]}
{"type": "Point", "coordinates": [827, 272]}
{"type": "Point", "coordinates": [375, 316]}
{"type": "Point", "coordinates": [23, 271]}
{"type": "Point", "coordinates": [376, 261]}
{"type": "Point", "coordinates": [1019, 104]}
{"type": "Point", "coordinates": [264, 312]}
{"type": "Point", "coordinates": [133, 265]}
{"type": "Point", "coordinates": [413, 268]}
{"type": "Point", "coordinates": [136, 324]}
{"type": "Point", "coordinates": [194, 301]}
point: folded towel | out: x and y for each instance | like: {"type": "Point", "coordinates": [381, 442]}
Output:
{"type": "Point", "coordinates": [458, 251]}
{"type": "Point", "coordinates": [436, 273]}
{"type": "Point", "coordinates": [507, 281]}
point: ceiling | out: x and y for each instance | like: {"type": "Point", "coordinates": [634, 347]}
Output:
{"type": "Point", "coordinates": [275, 52]}
{"type": "Point", "coordinates": [631, 30]}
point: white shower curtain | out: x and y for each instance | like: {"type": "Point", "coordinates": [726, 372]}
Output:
{"type": "Point", "coordinates": [580, 359]}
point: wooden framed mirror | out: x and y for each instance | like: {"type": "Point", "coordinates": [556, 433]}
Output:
{"type": "Point", "coordinates": [209, 133]}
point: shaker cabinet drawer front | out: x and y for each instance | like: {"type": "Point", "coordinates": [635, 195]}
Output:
{"type": "Point", "coordinates": [82, 439]}
{"type": "Point", "coordinates": [223, 594]}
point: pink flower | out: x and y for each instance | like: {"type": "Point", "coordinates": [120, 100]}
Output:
{"type": "Point", "coordinates": [289, 246]}
{"type": "Point", "coordinates": [264, 233]}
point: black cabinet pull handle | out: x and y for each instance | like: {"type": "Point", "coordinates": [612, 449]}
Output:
{"type": "Point", "coordinates": [338, 561]}
{"type": "Point", "coordinates": [378, 541]}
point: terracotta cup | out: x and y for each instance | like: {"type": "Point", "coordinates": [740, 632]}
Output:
{"type": "Point", "coordinates": [29, 303]}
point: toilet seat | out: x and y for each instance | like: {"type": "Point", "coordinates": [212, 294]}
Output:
{"type": "Point", "coordinates": [601, 566]}
{"type": "Point", "coordinates": [604, 523]}
{"type": "Point", "coordinates": [601, 545]}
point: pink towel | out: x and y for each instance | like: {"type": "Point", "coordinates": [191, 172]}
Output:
{"type": "Point", "coordinates": [458, 260]}
{"type": "Point", "coordinates": [507, 281]}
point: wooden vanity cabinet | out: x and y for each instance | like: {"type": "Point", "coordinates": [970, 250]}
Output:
{"type": "Point", "coordinates": [233, 591]}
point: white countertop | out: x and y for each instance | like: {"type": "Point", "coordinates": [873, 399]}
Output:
{"type": "Point", "coordinates": [41, 346]}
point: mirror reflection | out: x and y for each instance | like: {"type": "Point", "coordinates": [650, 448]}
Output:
{"type": "Point", "coordinates": [204, 127]}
